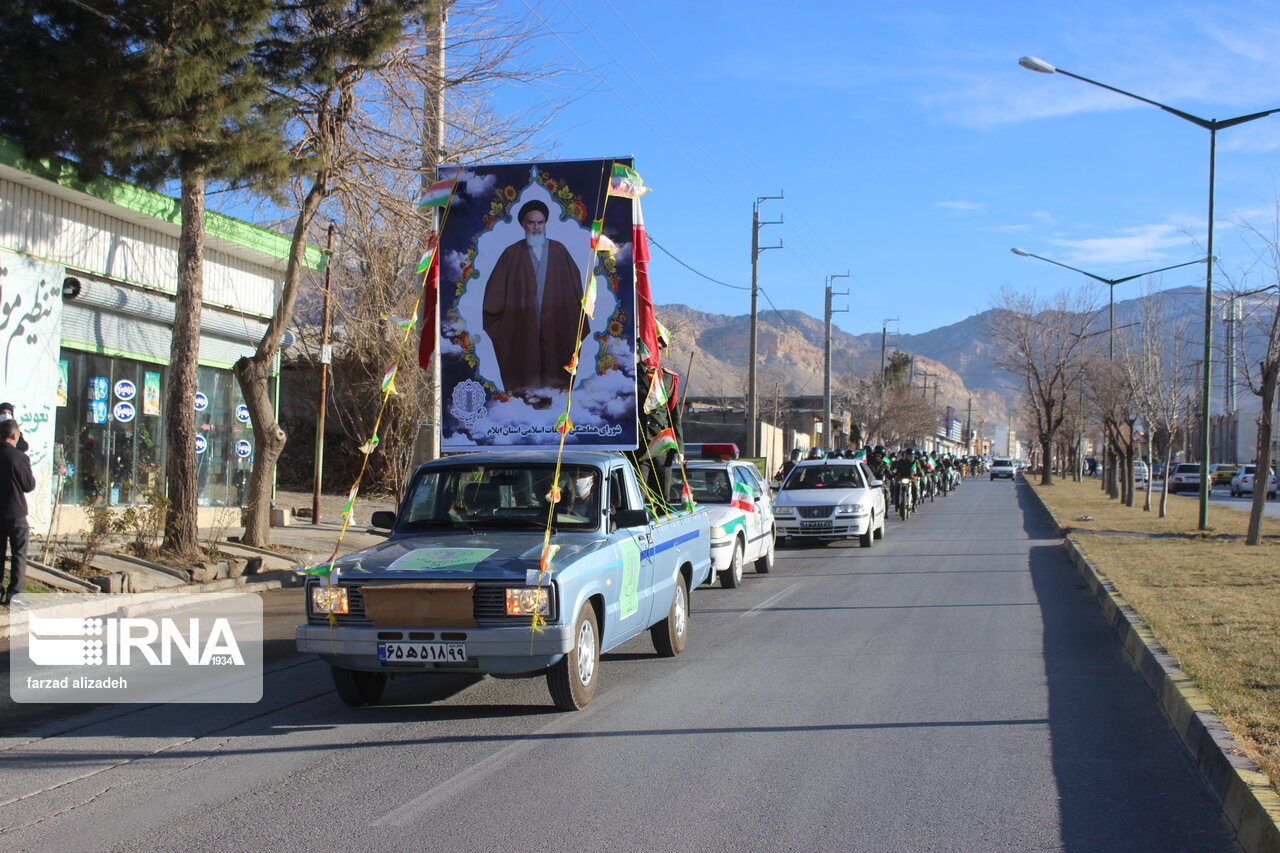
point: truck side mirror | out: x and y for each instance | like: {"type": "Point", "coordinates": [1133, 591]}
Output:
{"type": "Point", "coordinates": [623, 518]}
{"type": "Point", "coordinates": [383, 520]}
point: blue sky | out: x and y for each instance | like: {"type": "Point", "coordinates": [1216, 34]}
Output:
{"type": "Point", "coordinates": [912, 148]}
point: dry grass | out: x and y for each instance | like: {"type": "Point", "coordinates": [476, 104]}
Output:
{"type": "Point", "coordinates": [1216, 607]}
{"type": "Point", "coordinates": [1070, 500]}
{"type": "Point", "coordinates": [1213, 603]}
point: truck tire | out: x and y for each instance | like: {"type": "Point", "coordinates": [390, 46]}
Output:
{"type": "Point", "coordinates": [572, 680]}
{"type": "Point", "coordinates": [356, 687]}
{"type": "Point", "coordinates": [764, 563]}
{"type": "Point", "coordinates": [731, 577]}
{"type": "Point", "coordinates": [671, 634]}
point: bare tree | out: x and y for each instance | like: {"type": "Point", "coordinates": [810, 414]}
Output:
{"type": "Point", "coordinates": [1043, 344]}
{"type": "Point", "coordinates": [1261, 327]}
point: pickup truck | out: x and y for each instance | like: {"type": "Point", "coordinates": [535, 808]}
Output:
{"type": "Point", "coordinates": [459, 585]}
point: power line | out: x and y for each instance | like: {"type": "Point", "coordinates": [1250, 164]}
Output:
{"type": "Point", "coordinates": [691, 269]}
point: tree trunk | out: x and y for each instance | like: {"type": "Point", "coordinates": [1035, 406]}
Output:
{"type": "Point", "coordinates": [1046, 461]}
{"type": "Point", "coordinates": [254, 375]}
{"type": "Point", "coordinates": [180, 527]}
{"type": "Point", "coordinates": [1262, 473]}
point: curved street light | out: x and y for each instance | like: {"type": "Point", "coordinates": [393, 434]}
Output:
{"type": "Point", "coordinates": [1032, 63]}
{"type": "Point", "coordinates": [1111, 288]}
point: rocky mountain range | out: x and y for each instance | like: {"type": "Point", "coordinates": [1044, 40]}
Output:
{"type": "Point", "coordinates": [712, 349]}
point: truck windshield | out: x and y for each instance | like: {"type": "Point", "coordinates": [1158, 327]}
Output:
{"type": "Point", "coordinates": [497, 496]}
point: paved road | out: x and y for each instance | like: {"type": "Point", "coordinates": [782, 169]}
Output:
{"type": "Point", "coordinates": [952, 689]}
{"type": "Point", "coordinates": [1218, 495]}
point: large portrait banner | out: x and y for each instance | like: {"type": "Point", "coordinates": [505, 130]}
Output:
{"type": "Point", "coordinates": [522, 282]}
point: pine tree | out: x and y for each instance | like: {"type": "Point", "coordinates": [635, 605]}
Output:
{"type": "Point", "coordinates": [154, 91]}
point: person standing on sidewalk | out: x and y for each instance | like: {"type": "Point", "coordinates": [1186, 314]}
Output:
{"type": "Point", "coordinates": [16, 479]}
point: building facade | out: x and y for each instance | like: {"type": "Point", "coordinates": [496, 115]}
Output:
{"type": "Point", "coordinates": [88, 273]}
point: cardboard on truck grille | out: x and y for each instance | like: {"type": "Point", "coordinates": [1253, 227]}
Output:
{"type": "Point", "coordinates": [420, 605]}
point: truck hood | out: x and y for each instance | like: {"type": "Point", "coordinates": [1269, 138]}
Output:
{"type": "Point", "coordinates": [489, 556]}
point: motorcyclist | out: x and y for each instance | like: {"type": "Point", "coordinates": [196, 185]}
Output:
{"type": "Point", "coordinates": [903, 468]}
{"type": "Point", "coordinates": [795, 456]}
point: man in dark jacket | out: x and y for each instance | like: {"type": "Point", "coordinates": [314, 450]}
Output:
{"type": "Point", "coordinates": [16, 479]}
{"type": "Point", "coordinates": [6, 414]}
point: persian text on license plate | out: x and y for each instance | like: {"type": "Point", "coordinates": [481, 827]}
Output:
{"type": "Point", "coordinates": [430, 652]}
{"type": "Point", "coordinates": [815, 525]}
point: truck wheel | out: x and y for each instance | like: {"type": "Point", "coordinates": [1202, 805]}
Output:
{"type": "Point", "coordinates": [866, 540]}
{"type": "Point", "coordinates": [356, 687]}
{"type": "Point", "coordinates": [671, 634]}
{"type": "Point", "coordinates": [764, 563]}
{"type": "Point", "coordinates": [572, 680]}
{"type": "Point", "coordinates": [731, 577]}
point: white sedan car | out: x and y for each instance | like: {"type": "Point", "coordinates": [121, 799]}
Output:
{"type": "Point", "coordinates": [1245, 480]}
{"type": "Point", "coordinates": [830, 499]}
{"type": "Point", "coordinates": [742, 527]}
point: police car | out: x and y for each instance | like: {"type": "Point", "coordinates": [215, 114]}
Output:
{"type": "Point", "coordinates": [741, 508]}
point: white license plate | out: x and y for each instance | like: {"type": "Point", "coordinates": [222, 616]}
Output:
{"type": "Point", "coordinates": [430, 652]}
{"type": "Point", "coordinates": [815, 525]}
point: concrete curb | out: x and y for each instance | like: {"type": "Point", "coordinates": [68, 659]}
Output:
{"type": "Point", "coordinates": [249, 583]}
{"type": "Point", "coordinates": [1248, 800]}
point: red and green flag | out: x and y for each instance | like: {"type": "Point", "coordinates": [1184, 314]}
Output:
{"type": "Point", "coordinates": [742, 497]}
{"type": "Point", "coordinates": [437, 195]}
{"type": "Point", "coordinates": [661, 443]}
{"type": "Point", "coordinates": [626, 182]}
{"type": "Point", "coordinates": [600, 241]}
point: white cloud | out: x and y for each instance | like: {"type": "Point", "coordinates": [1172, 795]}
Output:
{"type": "Point", "coordinates": [1145, 243]}
{"type": "Point", "coordinates": [958, 205]}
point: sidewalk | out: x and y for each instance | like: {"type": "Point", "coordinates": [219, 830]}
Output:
{"type": "Point", "coordinates": [239, 568]}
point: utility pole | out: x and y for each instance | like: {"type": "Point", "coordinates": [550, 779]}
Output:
{"type": "Point", "coordinates": [829, 433]}
{"type": "Point", "coordinates": [326, 358]}
{"type": "Point", "coordinates": [753, 427]}
{"type": "Point", "coordinates": [427, 445]}
{"type": "Point", "coordinates": [884, 344]}
{"type": "Point", "coordinates": [968, 429]}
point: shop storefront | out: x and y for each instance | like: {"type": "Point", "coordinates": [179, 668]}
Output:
{"type": "Point", "coordinates": [95, 265]}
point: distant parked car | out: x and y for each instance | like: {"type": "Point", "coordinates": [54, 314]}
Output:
{"type": "Point", "coordinates": [1002, 467]}
{"type": "Point", "coordinates": [1245, 478]}
{"type": "Point", "coordinates": [1140, 472]}
{"type": "Point", "coordinates": [1185, 478]}
{"type": "Point", "coordinates": [1222, 473]}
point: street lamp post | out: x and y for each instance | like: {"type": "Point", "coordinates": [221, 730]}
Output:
{"type": "Point", "coordinates": [1213, 126]}
{"type": "Point", "coordinates": [1111, 289]}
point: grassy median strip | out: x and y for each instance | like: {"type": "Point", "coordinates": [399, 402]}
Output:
{"type": "Point", "coordinates": [1070, 500]}
{"type": "Point", "coordinates": [1213, 603]}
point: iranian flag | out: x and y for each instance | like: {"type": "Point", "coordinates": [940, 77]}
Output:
{"type": "Point", "coordinates": [437, 195]}
{"type": "Point", "coordinates": [626, 182]}
{"type": "Point", "coordinates": [860, 456]}
{"type": "Point", "coordinates": [600, 241]}
{"type": "Point", "coordinates": [430, 294]}
{"type": "Point", "coordinates": [646, 320]}
{"type": "Point", "coordinates": [742, 498]}
{"type": "Point", "coordinates": [662, 442]}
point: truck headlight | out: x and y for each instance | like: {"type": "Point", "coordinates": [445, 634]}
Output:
{"type": "Point", "coordinates": [329, 599]}
{"type": "Point", "coordinates": [853, 509]}
{"type": "Point", "coordinates": [526, 601]}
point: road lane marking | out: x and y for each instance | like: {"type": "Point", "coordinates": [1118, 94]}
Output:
{"type": "Point", "coordinates": [777, 596]}
{"type": "Point", "coordinates": [437, 795]}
